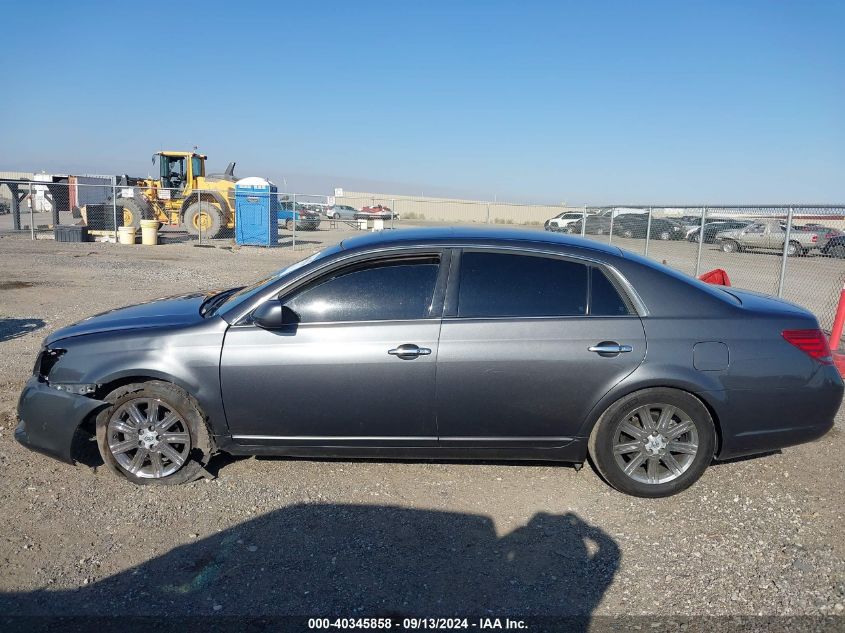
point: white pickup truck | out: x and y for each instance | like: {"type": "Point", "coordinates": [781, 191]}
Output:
{"type": "Point", "coordinates": [769, 234]}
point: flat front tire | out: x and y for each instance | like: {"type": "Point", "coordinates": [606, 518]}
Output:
{"type": "Point", "coordinates": [653, 443]}
{"type": "Point", "coordinates": [153, 433]}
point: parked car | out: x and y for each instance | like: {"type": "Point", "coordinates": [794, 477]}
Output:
{"type": "Point", "coordinates": [5, 207]}
{"type": "Point", "coordinates": [561, 221]}
{"type": "Point", "coordinates": [769, 234]}
{"type": "Point", "coordinates": [711, 229]}
{"type": "Point", "coordinates": [378, 212]}
{"type": "Point", "coordinates": [596, 225]}
{"type": "Point", "coordinates": [305, 218]}
{"type": "Point", "coordinates": [341, 212]}
{"type": "Point", "coordinates": [534, 347]}
{"type": "Point", "coordinates": [835, 247]}
{"type": "Point", "coordinates": [636, 225]}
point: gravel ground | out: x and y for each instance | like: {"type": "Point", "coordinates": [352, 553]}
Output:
{"type": "Point", "coordinates": [354, 538]}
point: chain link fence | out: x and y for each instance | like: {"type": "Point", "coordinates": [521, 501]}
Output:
{"type": "Point", "coordinates": [796, 252]}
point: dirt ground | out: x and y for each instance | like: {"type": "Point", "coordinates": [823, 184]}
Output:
{"type": "Point", "coordinates": [359, 538]}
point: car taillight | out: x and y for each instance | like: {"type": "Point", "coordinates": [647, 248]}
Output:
{"type": "Point", "coordinates": [811, 342]}
{"type": "Point", "coordinates": [815, 238]}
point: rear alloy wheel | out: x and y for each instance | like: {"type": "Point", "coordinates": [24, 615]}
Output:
{"type": "Point", "coordinates": [653, 443]}
{"type": "Point", "coordinates": [730, 246]}
{"type": "Point", "coordinates": [153, 433]}
{"type": "Point", "coordinates": [627, 233]}
{"type": "Point", "coordinates": [289, 225]}
{"type": "Point", "coordinates": [665, 236]}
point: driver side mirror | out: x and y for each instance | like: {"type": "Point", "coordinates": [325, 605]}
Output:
{"type": "Point", "coordinates": [274, 315]}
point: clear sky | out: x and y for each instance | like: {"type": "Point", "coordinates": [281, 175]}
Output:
{"type": "Point", "coordinates": [598, 102]}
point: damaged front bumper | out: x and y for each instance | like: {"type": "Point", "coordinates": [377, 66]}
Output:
{"type": "Point", "coordinates": [49, 418]}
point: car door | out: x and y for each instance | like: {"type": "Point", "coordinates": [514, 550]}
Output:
{"type": "Point", "coordinates": [356, 367]}
{"type": "Point", "coordinates": [755, 235]}
{"type": "Point", "coordinates": [529, 344]}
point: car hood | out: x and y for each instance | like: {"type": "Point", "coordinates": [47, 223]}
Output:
{"type": "Point", "coordinates": [168, 312]}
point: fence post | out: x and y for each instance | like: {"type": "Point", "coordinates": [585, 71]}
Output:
{"type": "Point", "coordinates": [293, 206]}
{"type": "Point", "coordinates": [114, 208]}
{"type": "Point", "coordinates": [700, 241]}
{"type": "Point", "coordinates": [610, 233]}
{"type": "Point", "coordinates": [487, 221]}
{"type": "Point", "coordinates": [648, 232]}
{"type": "Point", "coordinates": [785, 256]}
{"type": "Point", "coordinates": [31, 214]}
{"type": "Point", "coordinates": [392, 212]}
{"type": "Point", "coordinates": [584, 222]}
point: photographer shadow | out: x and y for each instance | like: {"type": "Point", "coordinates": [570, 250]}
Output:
{"type": "Point", "coordinates": [359, 561]}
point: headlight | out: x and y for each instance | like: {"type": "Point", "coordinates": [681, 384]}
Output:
{"type": "Point", "coordinates": [47, 359]}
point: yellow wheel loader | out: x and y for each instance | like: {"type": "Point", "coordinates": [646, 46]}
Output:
{"type": "Point", "coordinates": [183, 196]}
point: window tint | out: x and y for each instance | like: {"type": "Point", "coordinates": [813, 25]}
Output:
{"type": "Point", "coordinates": [498, 284]}
{"type": "Point", "coordinates": [398, 289]}
{"type": "Point", "coordinates": [605, 299]}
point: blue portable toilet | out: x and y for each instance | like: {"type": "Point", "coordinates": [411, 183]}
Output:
{"type": "Point", "coordinates": [256, 208]}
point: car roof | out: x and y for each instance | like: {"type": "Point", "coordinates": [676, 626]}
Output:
{"type": "Point", "coordinates": [475, 235]}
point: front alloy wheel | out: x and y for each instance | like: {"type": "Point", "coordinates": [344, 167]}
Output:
{"type": "Point", "coordinates": [153, 433]}
{"type": "Point", "coordinates": [148, 438]}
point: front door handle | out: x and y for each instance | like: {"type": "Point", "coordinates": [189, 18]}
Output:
{"type": "Point", "coordinates": [409, 351]}
{"type": "Point", "coordinates": [610, 348]}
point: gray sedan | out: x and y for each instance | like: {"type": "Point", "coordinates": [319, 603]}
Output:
{"type": "Point", "coordinates": [442, 343]}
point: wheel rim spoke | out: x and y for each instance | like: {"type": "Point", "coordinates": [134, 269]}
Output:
{"type": "Point", "coordinates": [122, 426]}
{"type": "Point", "coordinates": [635, 462]}
{"type": "Point", "coordinates": [124, 446]}
{"type": "Point", "coordinates": [155, 461]}
{"type": "Point", "coordinates": [666, 415]}
{"type": "Point", "coordinates": [170, 453]}
{"type": "Point", "coordinates": [687, 448]}
{"type": "Point", "coordinates": [672, 464]}
{"type": "Point", "coordinates": [644, 414]}
{"type": "Point", "coordinates": [652, 469]}
{"type": "Point", "coordinates": [138, 460]}
{"type": "Point", "coordinates": [169, 420]}
{"type": "Point", "coordinates": [152, 413]}
{"type": "Point", "coordinates": [627, 447]}
{"type": "Point", "coordinates": [679, 429]}
{"type": "Point", "coordinates": [629, 429]}
{"type": "Point", "coordinates": [176, 438]}
{"type": "Point", "coordinates": [135, 415]}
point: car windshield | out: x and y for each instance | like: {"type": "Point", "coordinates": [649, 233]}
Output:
{"type": "Point", "coordinates": [213, 304]}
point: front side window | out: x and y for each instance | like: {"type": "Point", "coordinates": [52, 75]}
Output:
{"type": "Point", "coordinates": [398, 289]}
{"type": "Point", "coordinates": [506, 285]}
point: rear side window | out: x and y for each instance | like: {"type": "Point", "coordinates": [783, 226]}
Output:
{"type": "Point", "coordinates": [393, 290]}
{"type": "Point", "coordinates": [505, 285]}
{"type": "Point", "coordinates": [605, 300]}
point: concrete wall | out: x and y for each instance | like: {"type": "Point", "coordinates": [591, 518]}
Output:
{"type": "Point", "coordinates": [454, 209]}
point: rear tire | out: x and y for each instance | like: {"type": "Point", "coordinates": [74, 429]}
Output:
{"type": "Point", "coordinates": [794, 249]}
{"type": "Point", "coordinates": [203, 218]}
{"type": "Point", "coordinates": [289, 225]}
{"type": "Point", "coordinates": [130, 211]}
{"type": "Point", "coordinates": [627, 233]}
{"type": "Point", "coordinates": [153, 433]}
{"type": "Point", "coordinates": [730, 246]}
{"type": "Point", "coordinates": [653, 443]}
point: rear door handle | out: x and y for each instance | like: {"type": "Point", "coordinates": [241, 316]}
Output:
{"type": "Point", "coordinates": [610, 348]}
{"type": "Point", "coordinates": [409, 351]}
